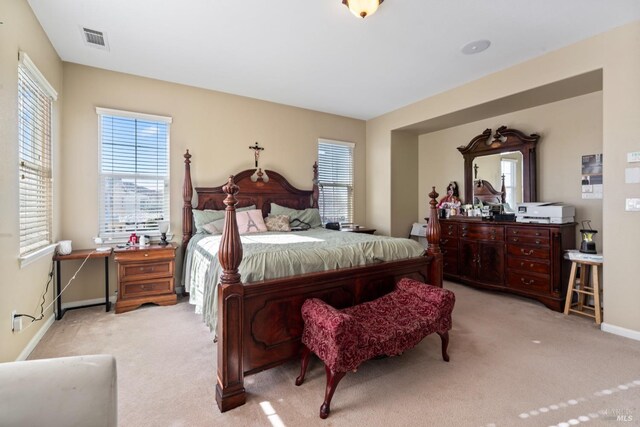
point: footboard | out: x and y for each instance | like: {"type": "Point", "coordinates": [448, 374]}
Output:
{"type": "Point", "coordinates": [260, 324]}
{"type": "Point", "coordinates": [272, 320]}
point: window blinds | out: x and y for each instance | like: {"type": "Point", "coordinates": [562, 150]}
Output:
{"type": "Point", "coordinates": [335, 179]}
{"type": "Point", "coordinates": [134, 173]}
{"type": "Point", "coordinates": [35, 98]}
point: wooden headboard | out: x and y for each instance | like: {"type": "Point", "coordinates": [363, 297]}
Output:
{"type": "Point", "coordinates": [256, 188]}
{"type": "Point", "coordinates": [484, 192]}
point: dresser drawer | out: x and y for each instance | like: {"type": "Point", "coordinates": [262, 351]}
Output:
{"type": "Point", "coordinates": [450, 263]}
{"type": "Point", "coordinates": [528, 240]}
{"type": "Point", "coordinates": [148, 287]}
{"type": "Point", "coordinates": [449, 230]}
{"type": "Point", "coordinates": [136, 271]}
{"type": "Point", "coordinates": [528, 282]}
{"type": "Point", "coordinates": [528, 251]}
{"type": "Point", "coordinates": [528, 265]}
{"type": "Point", "coordinates": [482, 232]}
{"type": "Point", "coordinates": [449, 242]}
{"type": "Point", "coordinates": [528, 231]}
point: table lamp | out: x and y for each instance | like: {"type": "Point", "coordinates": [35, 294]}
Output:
{"type": "Point", "coordinates": [587, 246]}
{"type": "Point", "coordinates": [163, 227]}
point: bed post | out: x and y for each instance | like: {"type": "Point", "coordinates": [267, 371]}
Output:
{"type": "Point", "coordinates": [316, 193]}
{"type": "Point", "coordinates": [230, 391]}
{"type": "Point", "coordinates": [433, 239]}
{"type": "Point", "coordinates": [187, 194]}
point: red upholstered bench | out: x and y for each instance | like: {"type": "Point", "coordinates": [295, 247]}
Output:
{"type": "Point", "coordinates": [389, 325]}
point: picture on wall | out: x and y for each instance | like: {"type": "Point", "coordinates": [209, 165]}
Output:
{"type": "Point", "coordinates": [592, 176]}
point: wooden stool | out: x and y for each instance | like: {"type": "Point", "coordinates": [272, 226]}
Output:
{"type": "Point", "coordinates": [583, 287]}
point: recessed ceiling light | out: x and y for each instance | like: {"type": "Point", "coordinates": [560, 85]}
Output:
{"type": "Point", "coordinates": [475, 47]}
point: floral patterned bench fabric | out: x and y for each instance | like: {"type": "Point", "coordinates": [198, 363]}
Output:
{"type": "Point", "coordinates": [389, 325]}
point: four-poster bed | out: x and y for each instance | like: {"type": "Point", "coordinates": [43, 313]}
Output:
{"type": "Point", "coordinates": [259, 324]}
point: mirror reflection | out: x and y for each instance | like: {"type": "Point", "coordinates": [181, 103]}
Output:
{"type": "Point", "coordinates": [494, 167]}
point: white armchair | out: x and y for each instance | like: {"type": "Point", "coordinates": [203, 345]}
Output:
{"type": "Point", "coordinates": [69, 391]}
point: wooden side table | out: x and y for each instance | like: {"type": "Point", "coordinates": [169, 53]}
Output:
{"type": "Point", "coordinates": [145, 275]}
{"type": "Point", "coordinates": [81, 255]}
{"type": "Point", "coordinates": [584, 287]}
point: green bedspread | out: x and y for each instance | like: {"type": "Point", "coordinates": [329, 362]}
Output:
{"type": "Point", "coordinates": [272, 255]}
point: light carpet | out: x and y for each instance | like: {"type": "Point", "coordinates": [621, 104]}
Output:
{"type": "Point", "coordinates": [513, 363]}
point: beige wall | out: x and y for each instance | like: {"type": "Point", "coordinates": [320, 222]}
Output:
{"type": "Point", "coordinates": [21, 289]}
{"type": "Point", "coordinates": [568, 129]}
{"type": "Point", "coordinates": [621, 109]}
{"type": "Point", "coordinates": [404, 171]}
{"type": "Point", "coordinates": [217, 128]}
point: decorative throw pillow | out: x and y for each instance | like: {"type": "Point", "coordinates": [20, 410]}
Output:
{"type": "Point", "coordinates": [212, 228]}
{"type": "Point", "coordinates": [278, 223]}
{"type": "Point", "coordinates": [309, 216]}
{"type": "Point", "coordinates": [202, 217]}
{"type": "Point", "coordinates": [250, 221]}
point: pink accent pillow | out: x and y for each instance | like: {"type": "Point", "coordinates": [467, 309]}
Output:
{"type": "Point", "coordinates": [250, 221]}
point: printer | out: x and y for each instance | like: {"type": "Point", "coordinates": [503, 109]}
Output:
{"type": "Point", "coordinates": [545, 213]}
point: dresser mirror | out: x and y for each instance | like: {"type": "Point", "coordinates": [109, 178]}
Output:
{"type": "Point", "coordinates": [490, 156]}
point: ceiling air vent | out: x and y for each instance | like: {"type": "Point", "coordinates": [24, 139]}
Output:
{"type": "Point", "coordinates": [95, 38]}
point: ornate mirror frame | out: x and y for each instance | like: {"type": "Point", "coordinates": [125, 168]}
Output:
{"type": "Point", "coordinates": [504, 140]}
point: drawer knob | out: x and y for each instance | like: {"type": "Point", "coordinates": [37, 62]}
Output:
{"type": "Point", "coordinates": [464, 234]}
{"type": "Point", "coordinates": [529, 252]}
{"type": "Point", "coordinates": [537, 233]}
{"type": "Point", "coordinates": [537, 242]}
{"type": "Point", "coordinates": [515, 231]}
{"type": "Point", "coordinates": [146, 254]}
{"type": "Point", "coordinates": [143, 287]}
{"type": "Point", "coordinates": [515, 239]}
{"type": "Point", "coordinates": [526, 282]}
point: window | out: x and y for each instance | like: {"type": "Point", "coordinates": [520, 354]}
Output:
{"type": "Point", "coordinates": [134, 173]}
{"type": "Point", "coordinates": [35, 102]}
{"type": "Point", "coordinates": [335, 180]}
{"type": "Point", "coordinates": [508, 169]}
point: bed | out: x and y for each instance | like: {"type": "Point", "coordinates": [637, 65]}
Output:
{"type": "Point", "coordinates": [258, 324]}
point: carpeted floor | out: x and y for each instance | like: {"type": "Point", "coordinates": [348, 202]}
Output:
{"type": "Point", "coordinates": [513, 363]}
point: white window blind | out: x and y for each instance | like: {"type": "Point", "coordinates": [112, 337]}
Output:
{"type": "Point", "coordinates": [335, 179]}
{"type": "Point", "coordinates": [508, 169]}
{"type": "Point", "coordinates": [134, 173]}
{"type": "Point", "coordinates": [35, 99]}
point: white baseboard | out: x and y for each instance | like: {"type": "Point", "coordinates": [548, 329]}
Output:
{"type": "Point", "coordinates": [72, 304]}
{"type": "Point", "coordinates": [619, 330]}
{"type": "Point", "coordinates": [36, 338]}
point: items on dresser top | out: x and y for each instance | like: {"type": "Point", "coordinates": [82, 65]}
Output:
{"type": "Point", "coordinates": [145, 275]}
{"type": "Point", "coordinates": [545, 213]}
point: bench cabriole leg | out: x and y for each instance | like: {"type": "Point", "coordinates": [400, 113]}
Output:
{"type": "Point", "coordinates": [333, 378]}
{"type": "Point", "coordinates": [305, 362]}
{"type": "Point", "coordinates": [445, 343]}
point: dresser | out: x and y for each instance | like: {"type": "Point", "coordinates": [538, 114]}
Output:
{"type": "Point", "coordinates": [145, 275]}
{"type": "Point", "coordinates": [523, 259]}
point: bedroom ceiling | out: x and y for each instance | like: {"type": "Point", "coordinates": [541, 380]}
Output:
{"type": "Point", "coordinates": [314, 53]}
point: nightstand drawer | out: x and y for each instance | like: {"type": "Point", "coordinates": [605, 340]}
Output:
{"type": "Point", "coordinates": [148, 287]}
{"type": "Point", "coordinates": [144, 255]}
{"type": "Point", "coordinates": [147, 270]}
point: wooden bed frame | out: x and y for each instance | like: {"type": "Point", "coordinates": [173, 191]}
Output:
{"type": "Point", "coordinates": [260, 324]}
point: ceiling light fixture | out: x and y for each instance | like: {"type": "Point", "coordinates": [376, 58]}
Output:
{"type": "Point", "coordinates": [362, 8]}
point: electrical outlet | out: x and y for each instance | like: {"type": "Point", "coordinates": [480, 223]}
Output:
{"type": "Point", "coordinates": [16, 322]}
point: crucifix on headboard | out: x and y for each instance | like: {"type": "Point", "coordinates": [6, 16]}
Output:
{"type": "Point", "coordinates": [256, 151]}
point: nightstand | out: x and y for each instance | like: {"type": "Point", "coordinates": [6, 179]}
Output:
{"type": "Point", "coordinates": [145, 275]}
{"type": "Point", "coordinates": [363, 230]}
